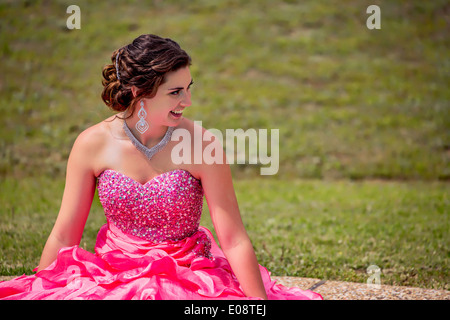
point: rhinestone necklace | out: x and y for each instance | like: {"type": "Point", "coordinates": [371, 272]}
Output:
{"type": "Point", "coordinates": [148, 152]}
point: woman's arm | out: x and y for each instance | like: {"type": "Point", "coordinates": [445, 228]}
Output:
{"type": "Point", "coordinates": [236, 245]}
{"type": "Point", "coordinates": [76, 202]}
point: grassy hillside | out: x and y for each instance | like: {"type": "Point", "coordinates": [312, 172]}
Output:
{"type": "Point", "coordinates": [349, 102]}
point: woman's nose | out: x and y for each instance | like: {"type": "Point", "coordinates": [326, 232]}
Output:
{"type": "Point", "coordinates": [186, 99]}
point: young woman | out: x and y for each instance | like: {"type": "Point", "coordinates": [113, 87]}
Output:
{"type": "Point", "coordinates": [152, 246]}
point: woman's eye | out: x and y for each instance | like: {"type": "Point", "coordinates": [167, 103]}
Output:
{"type": "Point", "coordinates": [175, 93]}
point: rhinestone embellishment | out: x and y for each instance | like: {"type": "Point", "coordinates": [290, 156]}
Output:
{"type": "Point", "coordinates": [142, 125]}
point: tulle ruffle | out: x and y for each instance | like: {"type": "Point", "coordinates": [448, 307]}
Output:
{"type": "Point", "coordinates": [125, 267]}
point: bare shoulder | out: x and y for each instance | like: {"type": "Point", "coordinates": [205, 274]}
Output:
{"type": "Point", "coordinates": [91, 143]}
{"type": "Point", "coordinates": [198, 132]}
{"type": "Point", "coordinates": [207, 155]}
{"type": "Point", "coordinates": [189, 125]}
{"type": "Point", "coordinates": [93, 137]}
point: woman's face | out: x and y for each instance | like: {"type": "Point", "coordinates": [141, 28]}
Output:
{"type": "Point", "coordinates": [172, 97]}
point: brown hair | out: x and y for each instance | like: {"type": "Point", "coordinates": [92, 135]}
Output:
{"type": "Point", "coordinates": [143, 63]}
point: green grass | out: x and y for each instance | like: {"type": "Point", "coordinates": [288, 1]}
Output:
{"type": "Point", "coordinates": [335, 230]}
{"type": "Point", "coordinates": [363, 118]}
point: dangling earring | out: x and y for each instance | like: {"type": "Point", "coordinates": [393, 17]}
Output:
{"type": "Point", "coordinates": [142, 125]}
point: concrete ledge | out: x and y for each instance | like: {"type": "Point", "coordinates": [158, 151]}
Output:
{"type": "Point", "coordinates": [338, 290]}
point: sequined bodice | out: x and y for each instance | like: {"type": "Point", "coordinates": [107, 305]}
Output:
{"type": "Point", "coordinates": [168, 207]}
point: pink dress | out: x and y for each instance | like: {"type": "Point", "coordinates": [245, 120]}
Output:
{"type": "Point", "coordinates": [151, 247]}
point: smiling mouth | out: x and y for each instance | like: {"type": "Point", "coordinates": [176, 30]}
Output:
{"type": "Point", "coordinates": [177, 113]}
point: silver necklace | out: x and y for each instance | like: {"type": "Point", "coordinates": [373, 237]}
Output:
{"type": "Point", "coordinates": [148, 152]}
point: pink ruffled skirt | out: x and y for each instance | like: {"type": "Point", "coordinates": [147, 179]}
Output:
{"type": "Point", "coordinates": [125, 267]}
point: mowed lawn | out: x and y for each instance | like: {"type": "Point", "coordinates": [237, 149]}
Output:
{"type": "Point", "coordinates": [363, 119]}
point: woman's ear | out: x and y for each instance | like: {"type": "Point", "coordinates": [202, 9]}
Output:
{"type": "Point", "coordinates": [134, 91]}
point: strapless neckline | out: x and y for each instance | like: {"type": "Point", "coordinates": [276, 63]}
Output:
{"type": "Point", "coordinates": [147, 182]}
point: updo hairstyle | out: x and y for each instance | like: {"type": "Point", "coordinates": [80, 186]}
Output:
{"type": "Point", "coordinates": [143, 64]}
